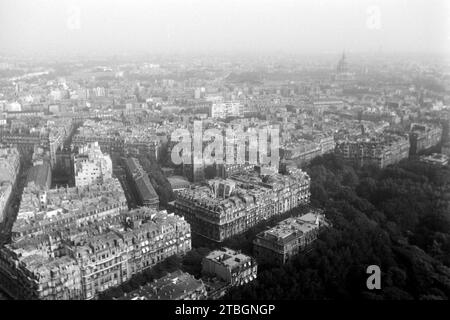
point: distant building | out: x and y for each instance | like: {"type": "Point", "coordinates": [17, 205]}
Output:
{"type": "Point", "coordinates": [342, 70]}
{"type": "Point", "coordinates": [302, 152]}
{"type": "Point", "coordinates": [423, 136]}
{"type": "Point", "coordinates": [230, 266]}
{"type": "Point", "coordinates": [56, 137]}
{"type": "Point", "coordinates": [51, 137]}
{"type": "Point", "coordinates": [9, 164]}
{"type": "Point", "coordinates": [342, 65]}
{"type": "Point", "coordinates": [91, 166]}
{"type": "Point", "coordinates": [14, 107]}
{"type": "Point", "coordinates": [40, 155]}
{"type": "Point", "coordinates": [197, 93]}
{"type": "Point", "coordinates": [288, 238]}
{"type": "Point", "coordinates": [380, 150]}
{"type": "Point", "coordinates": [326, 142]}
{"type": "Point", "coordinates": [116, 136]}
{"type": "Point", "coordinates": [149, 146]}
{"type": "Point", "coordinates": [320, 105]}
{"type": "Point", "coordinates": [177, 285]}
{"type": "Point", "coordinates": [226, 109]}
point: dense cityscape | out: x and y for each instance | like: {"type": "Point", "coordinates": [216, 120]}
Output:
{"type": "Point", "coordinates": [225, 176]}
{"type": "Point", "coordinates": [91, 198]}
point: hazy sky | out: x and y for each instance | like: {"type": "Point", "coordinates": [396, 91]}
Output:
{"type": "Point", "coordinates": [210, 26]}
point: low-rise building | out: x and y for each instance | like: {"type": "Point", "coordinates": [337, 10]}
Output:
{"type": "Point", "coordinates": [231, 266]}
{"type": "Point", "coordinates": [177, 285]}
{"type": "Point", "coordinates": [436, 159]}
{"type": "Point", "coordinates": [288, 238]}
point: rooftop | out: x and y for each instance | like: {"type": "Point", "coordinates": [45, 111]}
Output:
{"type": "Point", "coordinates": [228, 257]}
{"type": "Point", "coordinates": [173, 286]}
{"type": "Point", "coordinates": [294, 227]}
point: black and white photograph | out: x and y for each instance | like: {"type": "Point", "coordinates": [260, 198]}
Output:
{"type": "Point", "coordinates": [250, 155]}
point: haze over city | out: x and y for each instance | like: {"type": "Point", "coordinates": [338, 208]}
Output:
{"type": "Point", "coordinates": [108, 27]}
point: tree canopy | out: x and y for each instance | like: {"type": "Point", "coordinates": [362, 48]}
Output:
{"type": "Point", "coordinates": [397, 218]}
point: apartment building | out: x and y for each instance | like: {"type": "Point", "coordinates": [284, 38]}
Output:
{"type": "Point", "coordinates": [231, 266]}
{"type": "Point", "coordinates": [380, 150]}
{"type": "Point", "coordinates": [177, 285]}
{"type": "Point", "coordinates": [80, 260]}
{"type": "Point", "coordinates": [44, 211]}
{"type": "Point", "coordinates": [91, 166]}
{"type": "Point", "coordinates": [9, 164]}
{"type": "Point", "coordinates": [227, 109]}
{"type": "Point", "coordinates": [423, 136]}
{"type": "Point", "coordinates": [288, 238]}
{"type": "Point", "coordinates": [9, 169]}
{"type": "Point", "coordinates": [226, 207]}
{"type": "Point", "coordinates": [5, 194]}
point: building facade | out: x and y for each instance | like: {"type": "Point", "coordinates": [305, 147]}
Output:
{"type": "Point", "coordinates": [424, 136]}
{"type": "Point", "coordinates": [289, 237]}
{"type": "Point", "coordinates": [80, 260]}
{"type": "Point", "coordinates": [227, 109]}
{"type": "Point", "coordinates": [230, 266]}
{"type": "Point", "coordinates": [176, 285]}
{"type": "Point", "coordinates": [91, 166]}
{"type": "Point", "coordinates": [226, 207]}
{"type": "Point", "coordinates": [379, 150]}
{"type": "Point", "coordinates": [9, 164]}
{"type": "Point", "coordinates": [9, 170]}
{"type": "Point", "coordinates": [5, 195]}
